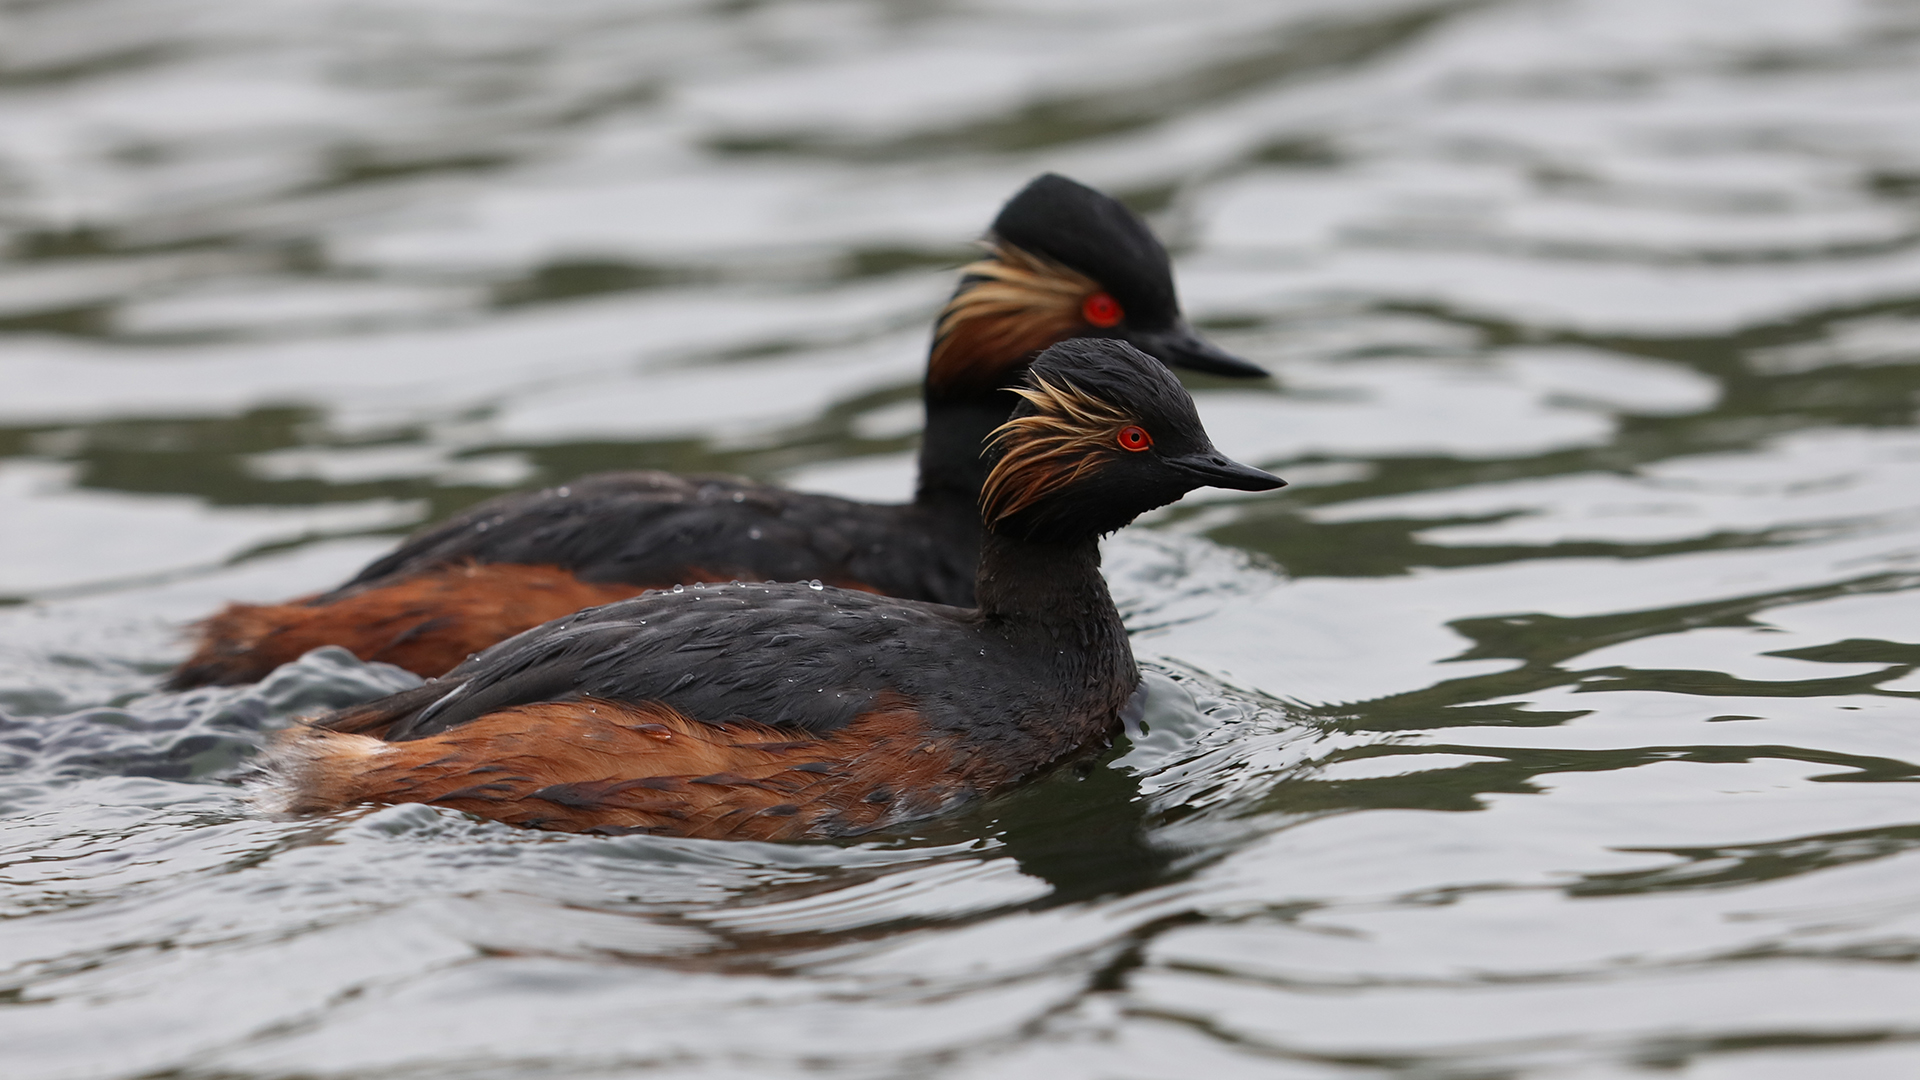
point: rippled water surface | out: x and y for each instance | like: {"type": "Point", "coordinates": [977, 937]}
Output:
{"type": "Point", "coordinates": [1559, 721]}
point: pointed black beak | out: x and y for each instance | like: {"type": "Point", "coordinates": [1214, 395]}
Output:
{"type": "Point", "coordinates": [1181, 346]}
{"type": "Point", "coordinates": [1215, 469]}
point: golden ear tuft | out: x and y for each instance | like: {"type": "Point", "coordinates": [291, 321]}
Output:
{"type": "Point", "coordinates": [1070, 434]}
{"type": "Point", "coordinates": [1014, 304]}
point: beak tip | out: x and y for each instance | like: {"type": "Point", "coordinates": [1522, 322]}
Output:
{"type": "Point", "coordinates": [1244, 370]}
{"type": "Point", "coordinates": [1223, 472]}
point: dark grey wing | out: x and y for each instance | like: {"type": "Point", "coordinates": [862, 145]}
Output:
{"type": "Point", "coordinates": [784, 655]}
{"type": "Point", "coordinates": [574, 526]}
{"type": "Point", "coordinates": [654, 528]}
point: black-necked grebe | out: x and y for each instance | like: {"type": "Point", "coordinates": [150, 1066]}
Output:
{"type": "Point", "coordinates": [787, 711]}
{"type": "Point", "coordinates": [1064, 261]}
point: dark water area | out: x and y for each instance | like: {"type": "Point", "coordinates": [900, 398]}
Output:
{"type": "Point", "coordinates": [1559, 721]}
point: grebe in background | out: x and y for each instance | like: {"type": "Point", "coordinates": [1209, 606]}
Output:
{"type": "Point", "coordinates": [1064, 261]}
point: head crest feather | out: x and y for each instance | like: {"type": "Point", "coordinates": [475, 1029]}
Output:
{"type": "Point", "coordinates": [1069, 434]}
{"type": "Point", "coordinates": [1010, 305]}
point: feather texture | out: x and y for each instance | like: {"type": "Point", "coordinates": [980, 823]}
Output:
{"type": "Point", "coordinates": [1069, 434]}
{"type": "Point", "coordinates": [1010, 305]}
{"type": "Point", "coordinates": [606, 766]}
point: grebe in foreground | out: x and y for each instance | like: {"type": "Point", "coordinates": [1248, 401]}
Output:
{"type": "Point", "coordinates": [1064, 261]}
{"type": "Point", "coordinates": [781, 712]}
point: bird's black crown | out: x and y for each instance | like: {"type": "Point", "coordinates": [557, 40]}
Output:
{"type": "Point", "coordinates": [1096, 235]}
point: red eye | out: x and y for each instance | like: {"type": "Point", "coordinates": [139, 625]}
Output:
{"type": "Point", "coordinates": [1102, 310]}
{"type": "Point", "coordinates": [1135, 437]}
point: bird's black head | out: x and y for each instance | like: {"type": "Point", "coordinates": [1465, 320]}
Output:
{"type": "Point", "coordinates": [1065, 261]}
{"type": "Point", "coordinates": [1103, 434]}
{"type": "Point", "coordinates": [1094, 233]}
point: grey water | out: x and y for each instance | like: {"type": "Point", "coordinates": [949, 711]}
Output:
{"type": "Point", "coordinates": [1559, 721]}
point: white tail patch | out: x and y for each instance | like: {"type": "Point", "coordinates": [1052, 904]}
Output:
{"type": "Point", "coordinates": [312, 770]}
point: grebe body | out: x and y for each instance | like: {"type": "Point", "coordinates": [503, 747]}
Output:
{"type": "Point", "coordinates": [800, 710]}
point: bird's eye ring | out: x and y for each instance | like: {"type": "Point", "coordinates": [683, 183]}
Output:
{"type": "Point", "coordinates": [1135, 437]}
{"type": "Point", "coordinates": [1102, 310]}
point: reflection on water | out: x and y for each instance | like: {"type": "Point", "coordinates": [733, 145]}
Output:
{"type": "Point", "coordinates": [1557, 722]}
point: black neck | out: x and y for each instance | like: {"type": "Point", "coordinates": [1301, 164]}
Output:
{"type": "Point", "coordinates": [1043, 582]}
{"type": "Point", "coordinates": [1050, 602]}
{"type": "Point", "coordinates": [951, 465]}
